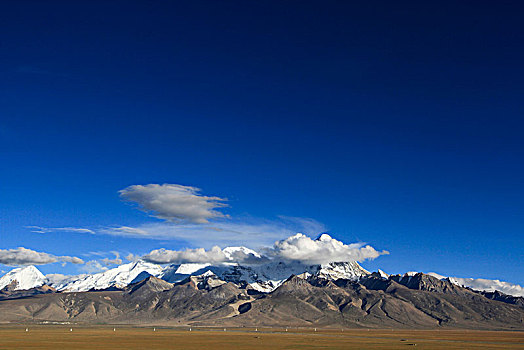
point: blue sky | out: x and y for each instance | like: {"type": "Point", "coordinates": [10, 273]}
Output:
{"type": "Point", "coordinates": [395, 124]}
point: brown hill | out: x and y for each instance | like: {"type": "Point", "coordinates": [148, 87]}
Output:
{"type": "Point", "coordinates": [419, 302]}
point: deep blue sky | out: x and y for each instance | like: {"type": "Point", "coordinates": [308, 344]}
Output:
{"type": "Point", "coordinates": [399, 124]}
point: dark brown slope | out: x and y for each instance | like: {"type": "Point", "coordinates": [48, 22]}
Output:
{"type": "Point", "coordinates": [184, 303]}
{"type": "Point", "coordinates": [451, 305]}
{"type": "Point", "coordinates": [419, 302]}
{"type": "Point", "coordinates": [508, 299]}
{"type": "Point", "coordinates": [324, 303]}
{"type": "Point", "coordinates": [151, 300]}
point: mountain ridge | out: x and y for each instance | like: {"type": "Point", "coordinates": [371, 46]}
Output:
{"type": "Point", "coordinates": [371, 300]}
{"type": "Point", "coordinates": [305, 301]}
{"type": "Point", "coordinates": [263, 277]}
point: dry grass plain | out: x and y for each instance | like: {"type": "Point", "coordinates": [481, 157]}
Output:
{"type": "Point", "coordinates": [125, 337]}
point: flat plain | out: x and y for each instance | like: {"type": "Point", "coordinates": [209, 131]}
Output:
{"type": "Point", "coordinates": [126, 337]}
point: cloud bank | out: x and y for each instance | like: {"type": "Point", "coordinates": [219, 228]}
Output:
{"type": "Point", "coordinates": [24, 256]}
{"type": "Point", "coordinates": [489, 285]}
{"type": "Point", "coordinates": [174, 203]}
{"type": "Point", "coordinates": [322, 250]}
{"type": "Point", "coordinates": [299, 248]}
{"type": "Point", "coordinates": [485, 284]}
{"type": "Point", "coordinates": [198, 255]}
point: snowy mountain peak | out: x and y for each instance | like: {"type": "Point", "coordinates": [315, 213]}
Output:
{"type": "Point", "coordinates": [383, 274]}
{"type": "Point", "coordinates": [24, 278]}
{"type": "Point", "coordinates": [118, 277]}
{"type": "Point", "coordinates": [342, 270]}
{"type": "Point", "coordinates": [263, 277]}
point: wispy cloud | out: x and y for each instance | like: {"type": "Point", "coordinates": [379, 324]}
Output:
{"type": "Point", "coordinates": [128, 231]}
{"type": "Point", "coordinates": [248, 231]}
{"type": "Point", "coordinates": [175, 203]}
{"type": "Point", "coordinates": [194, 219]}
{"type": "Point", "coordinates": [132, 257]}
{"type": "Point", "coordinates": [115, 261]}
{"type": "Point", "coordinates": [93, 266]}
{"type": "Point", "coordinates": [24, 256]}
{"type": "Point", "coordinates": [103, 259]}
{"type": "Point", "coordinates": [40, 229]}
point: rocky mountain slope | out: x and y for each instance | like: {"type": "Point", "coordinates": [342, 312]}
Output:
{"type": "Point", "coordinates": [263, 274]}
{"type": "Point", "coordinates": [421, 301]}
{"type": "Point", "coordinates": [265, 293]}
{"type": "Point", "coordinates": [263, 277]}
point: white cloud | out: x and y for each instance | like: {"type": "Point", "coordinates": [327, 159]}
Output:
{"type": "Point", "coordinates": [324, 250]}
{"type": "Point", "coordinates": [115, 261]}
{"type": "Point", "coordinates": [93, 266]}
{"type": "Point", "coordinates": [192, 218]}
{"type": "Point", "coordinates": [298, 247]}
{"type": "Point", "coordinates": [132, 257]}
{"type": "Point", "coordinates": [71, 259]}
{"type": "Point", "coordinates": [215, 255]}
{"type": "Point", "coordinates": [176, 203]}
{"type": "Point", "coordinates": [490, 285]}
{"type": "Point", "coordinates": [103, 260]}
{"type": "Point", "coordinates": [308, 226]}
{"type": "Point", "coordinates": [485, 284]}
{"type": "Point", "coordinates": [39, 229]}
{"type": "Point", "coordinates": [246, 231]}
{"type": "Point", "coordinates": [245, 256]}
{"type": "Point", "coordinates": [198, 255]}
{"type": "Point", "coordinates": [24, 256]}
{"type": "Point", "coordinates": [55, 279]}
{"type": "Point", "coordinates": [130, 231]}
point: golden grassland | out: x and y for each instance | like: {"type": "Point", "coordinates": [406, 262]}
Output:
{"type": "Point", "coordinates": [127, 337]}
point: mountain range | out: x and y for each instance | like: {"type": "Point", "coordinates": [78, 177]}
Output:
{"type": "Point", "coordinates": [275, 293]}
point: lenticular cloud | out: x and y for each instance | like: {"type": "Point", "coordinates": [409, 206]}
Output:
{"type": "Point", "coordinates": [175, 203]}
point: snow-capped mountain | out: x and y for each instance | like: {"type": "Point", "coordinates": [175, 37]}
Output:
{"type": "Point", "coordinates": [177, 272]}
{"type": "Point", "coordinates": [489, 285]}
{"type": "Point", "coordinates": [383, 274]}
{"type": "Point", "coordinates": [119, 277]}
{"type": "Point", "coordinates": [485, 284]}
{"type": "Point", "coordinates": [264, 277]}
{"type": "Point", "coordinates": [342, 270]}
{"type": "Point", "coordinates": [23, 278]}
